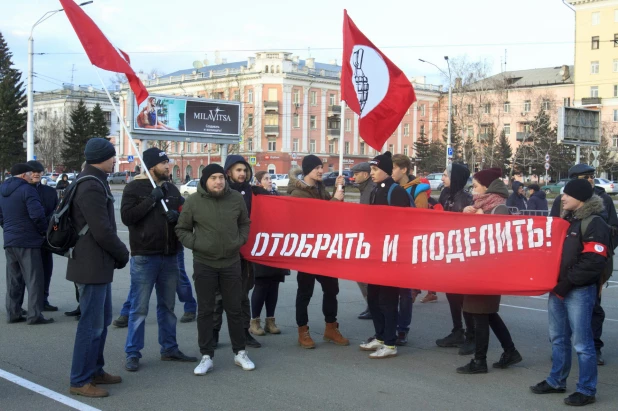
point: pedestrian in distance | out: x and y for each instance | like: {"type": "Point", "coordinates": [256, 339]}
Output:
{"type": "Point", "coordinates": [517, 199]}
{"type": "Point", "coordinates": [537, 200]}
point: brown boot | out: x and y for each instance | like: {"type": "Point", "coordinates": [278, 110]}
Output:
{"type": "Point", "coordinates": [256, 327]}
{"type": "Point", "coordinates": [89, 390]}
{"type": "Point", "coordinates": [270, 326]}
{"type": "Point", "coordinates": [332, 334]}
{"type": "Point", "coordinates": [106, 378]}
{"type": "Point", "coordinates": [304, 338]}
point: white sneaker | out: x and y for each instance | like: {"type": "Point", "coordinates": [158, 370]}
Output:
{"type": "Point", "coordinates": [372, 345]}
{"type": "Point", "coordinates": [384, 352]}
{"type": "Point", "coordinates": [204, 366]}
{"type": "Point", "coordinates": [242, 360]}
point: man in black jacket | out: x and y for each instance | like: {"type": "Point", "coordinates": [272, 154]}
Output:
{"type": "Point", "coordinates": [49, 200]}
{"type": "Point", "coordinates": [383, 300]}
{"type": "Point", "coordinates": [517, 198]}
{"type": "Point", "coordinates": [154, 249]}
{"type": "Point", "coordinates": [586, 172]}
{"type": "Point", "coordinates": [96, 255]}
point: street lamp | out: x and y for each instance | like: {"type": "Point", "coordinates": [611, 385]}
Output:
{"type": "Point", "coordinates": [182, 165]}
{"type": "Point", "coordinates": [30, 91]}
{"type": "Point", "coordinates": [450, 104]}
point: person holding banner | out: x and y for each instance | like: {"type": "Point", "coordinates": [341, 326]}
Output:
{"type": "Point", "coordinates": [311, 187]}
{"type": "Point", "coordinates": [571, 303]}
{"type": "Point", "coordinates": [453, 198]}
{"type": "Point", "coordinates": [384, 300]}
{"type": "Point", "coordinates": [490, 194]}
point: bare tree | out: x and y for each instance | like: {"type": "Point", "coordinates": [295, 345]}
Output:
{"type": "Point", "coordinates": [50, 133]}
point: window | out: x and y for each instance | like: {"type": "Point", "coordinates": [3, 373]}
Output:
{"type": "Point", "coordinates": [312, 146]}
{"type": "Point", "coordinates": [406, 129]}
{"type": "Point", "coordinates": [331, 147]}
{"type": "Point", "coordinates": [332, 99]}
{"type": "Point", "coordinates": [249, 144]}
{"type": "Point", "coordinates": [595, 43]}
{"type": "Point", "coordinates": [250, 96]}
{"type": "Point", "coordinates": [217, 95]}
{"type": "Point", "coordinates": [546, 104]}
{"type": "Point", "coordinates": [470, 131]}
{"type": "Point", "coordinates": [615, 141]}
{"type": "Point", "coordinates": [615, 65]}
{"type": "Point", "coordinates": [527, 128]}
{"type": "Point", "coordinates": [295, 145]}
{"type": "Point", "coordinates": [487, 108]}
{"type": "Point", "coordinates": [312, 123]}
{"type": "Point", "coordinates": [108, 114]}
{"type": "Point", "coordinates": [189, 145]}
{"type": "Point", "coordinates": [566, 102]}
{"type": "Point", "coordinates": [202, 148]}
{"type": "Point", "coordinates": [391, 148]}
{"type": "Point", "coordinates": [615, 116]}
{"type": "Point", "coordinates": [507, 129]}
{"type": "Point", "coordinates": [470, 109]}
{"type": "Point", "coordinates": [615, 90]}
{"type": "Point", "coordinates": [346, 147]}
{"type": "Point", "coordinates": [594, 67]}
{"type": "Point", "coordinates": [271, 120]}
{"type": "Point", "coordinates": [236, 95]}
{"type": "Point", "coordinates": [527, 106]}
{"type": "Point", "coordinates": [454, 110]}
{"type": "Point", "coordinates": [272, 144]}
{"type": "Point", "coordinates": [314, 98]}
{"type": "Point", "coordinates": [176, 147]}
{"type": "Point", "coordinates": [296, 96]}
{"type": "Point", "coordinates": [405, 150]}
{"type": "Point", "coordinates": [596, 18]}
{"type": "Point", "coordinates": [348, 124]}
{"type": "Point", "coordinates": [422, 129]}
{"type": "Point", "coordinates": [272, 94]}
{"type": "Point", "coordinates": [296, 121]}
{"type": "Point", "coordinates": [362, 148]}
{"type": "Point", "coordinates": [249, 120]}
{"type": "Point", "coordinates": [594, 91]}
{"type": "Point", "coordinates": [422, 109]}
{"type": "Point", "coordinates": [507, 106]}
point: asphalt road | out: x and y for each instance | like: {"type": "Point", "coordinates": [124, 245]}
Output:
{"type": "Point", "coordinates": [290, 378]}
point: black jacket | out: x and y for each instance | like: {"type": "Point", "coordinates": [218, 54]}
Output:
{"type": "Point", "coordinates": [49, 199]}
{"type": "Point", "coordinates": [22, 216]}
{"type": "Point", "coordinates": [399, 197]}
{"type": "Point", "coordinates": [537, 201]}
{"type": "Point", "coordinates": [516, 199]}
{"type": "Point", "coordinates": [62, 184]}
{"type": "Point", "coordinates": [242, 188]}
{"type": "Point", "coordinates": [455, 203]}
{"type": "Point", "coordinates": [149, 231]}
{"type": "Point", "coordinates": [99, 251]}
{"type": "Point", "coordinates": [578, 269]}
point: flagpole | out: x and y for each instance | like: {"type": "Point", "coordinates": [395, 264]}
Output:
{"type": "Point", "coordinates": [126, 130]}
{"type": "Point", "coordinates": [341, 138]}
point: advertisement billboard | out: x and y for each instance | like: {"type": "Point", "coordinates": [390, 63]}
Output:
{"type": "Point", "coordinates": [579, 126]}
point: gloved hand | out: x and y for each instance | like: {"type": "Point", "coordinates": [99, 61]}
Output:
{"type": "Point", "coordinates": [172, 216]}
{"type": "Point", "coordinates": [119, 265]}
{"type": "Point", "coordinates": [157, 194]}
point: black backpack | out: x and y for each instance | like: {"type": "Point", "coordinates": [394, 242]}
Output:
{"type": "Point", "coordinates": [61, 234]}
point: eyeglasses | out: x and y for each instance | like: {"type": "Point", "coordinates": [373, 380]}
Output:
{"type": "Point", "coordinates": [586, 177]}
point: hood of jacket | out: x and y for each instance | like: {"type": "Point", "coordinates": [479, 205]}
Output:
{"type": "Point", "coordinates": [539, 194]}
{"type": "Point", "coordinates": [498, 187]}
{"type": "Point", "coordinates": [234, 159]}
{"type": "Point", "coordinates": [10, 185]}
{"type": "Point", "coordinates": [293, 179]}
{"type": "Point", "coordinates": [515, 186]}
{"type": "Point", "coordinates": [459, 178]}
{"type": "Point", "coordinates": [594, 205]}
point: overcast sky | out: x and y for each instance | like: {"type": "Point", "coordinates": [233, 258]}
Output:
{"type": "Point", "coordinates": [170, 35]}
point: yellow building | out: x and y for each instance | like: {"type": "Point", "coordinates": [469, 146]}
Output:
{"type": "Point", "coordinates": [596, 60]}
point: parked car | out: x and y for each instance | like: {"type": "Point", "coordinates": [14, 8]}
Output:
{"type": "Point", "coordinates": [190, 188]}
{"type": "Point", "coordinates": [48, 181]}
{"type": "Point", "coordinates": [280, 181]}
{"type": "Point", "coordinates": [329, 178]}
{"type": "Point", "coordinates": [435, 181]}
{"type": "Point", "coordinates": [51, 176]}
{"type": "Point", "coordinates": [122, 177]}
{"type": "Point", "coordinates": [555, 188]}
{"type": "Point", "coordinates": [609, 186]}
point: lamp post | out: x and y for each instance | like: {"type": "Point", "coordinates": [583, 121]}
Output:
{"type": "Point", "coordinates": [30, 90]}
{"type": "Point", "coordinates": [450, 104]}
{"type": "Point", "coordinates": [182, 165]}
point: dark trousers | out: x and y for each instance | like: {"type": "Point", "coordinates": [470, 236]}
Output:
{"type": "Point", "coordinates": [306, 284]}
{"type": "Point", "coordinates": [48, 267]}
{"type": "Point", "coordinates": [598, 316]}
{"type": "Point", "coordinates": [383, 305]}
{"type": "Point", "coordinates": [404, 316]}
{"type": "Point", "coordinates": [482, 322]}
{"type": "Point", "coordinates": [247, 285]}
{"type": "Point", "coordinates": [455, 302]}
{"type": "Point", "coordinates": [266, 292]}
{"type": "Point", "coordinates": [207, 281]}
{"type": "Point", "coordinates": [24, 271]}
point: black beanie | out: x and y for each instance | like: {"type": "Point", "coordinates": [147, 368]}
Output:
{"type": "Point", "coordinates": [384, 162]}
{"type": "Point", "coordinates": [210, 170]}
{"type": "Point", "coordinates": [99, 150]}
{"type": "Point", "coordinates": [579, 189]}
{"type": "Point", "coordinates": [21, 168]}
{"type": "Point", "coordinates": [310, 162]}
{"type": "Point", "coordinates": [154, 156]}
{"type": "Point", "coordinates": [38, 167]}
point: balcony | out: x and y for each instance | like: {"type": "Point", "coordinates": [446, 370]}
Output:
{"type": "Point", "coordinates": [271, 130]}
{"type": "Point", "coordinates": [523, 136]}
{"type": "Point", "coordinates": [333, 133]}
{"type": "Point", "coordinates": [272, 106]}
{"type": "Point", "coordinates": [591, 101]}
{"type": "Point", "coordinates": [334, 111]}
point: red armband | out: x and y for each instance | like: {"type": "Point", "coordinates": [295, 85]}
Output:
{"type": "Point", "coordinates": [597, 248]}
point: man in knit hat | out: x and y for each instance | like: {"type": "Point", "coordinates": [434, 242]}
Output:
{"type": "Point", "coordinates": [311, 186]}
{"type": "Point", "coordinates": [571, 302]}
{"type": "Point", "coordinates": [95, 257]}
{"type": "Point", "coordinates": [216, 244]}
{"type": "Point", "coordinates": [383, 300]}
{"type": "Point", "coordinates": [154, 249]}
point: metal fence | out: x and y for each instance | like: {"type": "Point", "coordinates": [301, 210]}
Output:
{"type": "Point", "coordinates": [535, 213]}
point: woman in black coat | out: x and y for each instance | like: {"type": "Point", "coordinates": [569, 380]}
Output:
{"type": "Point", "coordinates": [267, 279]}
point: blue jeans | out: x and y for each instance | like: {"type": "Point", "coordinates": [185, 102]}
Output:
{"type": "Point", "coordinates": [160, 272]}
{"type": "Point", "coordinates": [95, 303]}
{"type": "Point", "coordinates": [571, 319]}
{"type": "Point", "coordinates": [404, 316]}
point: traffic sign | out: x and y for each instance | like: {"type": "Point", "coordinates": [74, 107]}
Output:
{"type": "Point", "coordinates": [252, 160]}
{"type": "Point", "coordinates": [546, 166]}
{"type": "Point", "coordinates": [547, 158]}
{"type": "Point", "coordinates": [596, 153]}
{"type": "Point", "coordinates": [294, 157]}
{"type": "Point", "coordinates": [450, 151]}
{"type": "Point", "coordinates": [34, 157]}
{"type": "Point", "coordinates": [595, 163]}
{"type": "Point", "coordinates": [130, 159]}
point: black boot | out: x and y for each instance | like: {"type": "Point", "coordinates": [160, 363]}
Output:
{"type": "Point", "coordinates": [75, 313]}
{"type": "Point", "coordinates": [402, 338]}
{"type": "Point", "coordinates": [365, 315]}
{"type": "Point", "coordinates": [454, 339]}
{"type": "Point", "coordinates": [469, 345]}
{"type": "Point", "coordinates": [215, 338]}
{"type": "Point", "coordinates": [474, 367]}
{"type": "Point", "coordinates": [250, 341]}
{"type": "Point", "coordinates": [507, 359]}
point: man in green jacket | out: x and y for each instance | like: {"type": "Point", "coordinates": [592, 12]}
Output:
{"type": "Point", "coordinates": [214, 223]}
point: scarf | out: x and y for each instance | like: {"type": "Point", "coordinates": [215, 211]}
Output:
{"type": "Point", "coordinates": [487, 202]}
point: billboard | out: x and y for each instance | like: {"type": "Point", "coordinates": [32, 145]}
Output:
{"type": "Point", "coordinates": [579, 126]}
{"type": "Point", "coordinates": [169, 115]}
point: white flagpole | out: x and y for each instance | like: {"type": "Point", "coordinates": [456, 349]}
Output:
{"type": "Point", "coordinates": [341, 138]}
{"type": "Point", "coordinates": [126, 130]}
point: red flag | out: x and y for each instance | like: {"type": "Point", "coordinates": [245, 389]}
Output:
{"type": "Point", "coordinates": [99, 50]}
{"type": "Point", "coordinates": [374, 87]}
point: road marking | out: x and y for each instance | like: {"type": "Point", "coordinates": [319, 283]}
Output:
{"type": "Point", "coordinates": [538, 309]}
{"type": "Point", "coordinates": [121, 231]}
{"type": "Point", "coordinates": [63, 399]}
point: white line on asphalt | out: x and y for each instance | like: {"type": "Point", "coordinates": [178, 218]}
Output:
{"type": "Point", "coordinates": [63, 399]}
{"type": "Point", "coordinates": [538, 309]}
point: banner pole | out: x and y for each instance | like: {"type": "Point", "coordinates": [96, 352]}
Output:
{"type": "Point", "coordinates": [341, 138]}
{"type": "Point", "coordinates": [126, 130]}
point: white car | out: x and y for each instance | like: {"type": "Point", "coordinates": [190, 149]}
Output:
{"type": "Point", "coordinates": [601, 182]}
{"type": "Point", "coordinates": [435, 180]}
{"type": "Point", "coordinates": [190, 188]}
{"type": "Point", "coordinates": [280, 181]}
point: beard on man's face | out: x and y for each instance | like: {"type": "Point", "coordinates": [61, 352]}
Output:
{"type": "Point", "coordinates": [161, 176]}
{"type": "Point", "coordinates": [217, 193]}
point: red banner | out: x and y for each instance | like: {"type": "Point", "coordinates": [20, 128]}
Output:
{"type": "Point", "coordinates": [408, 248]}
